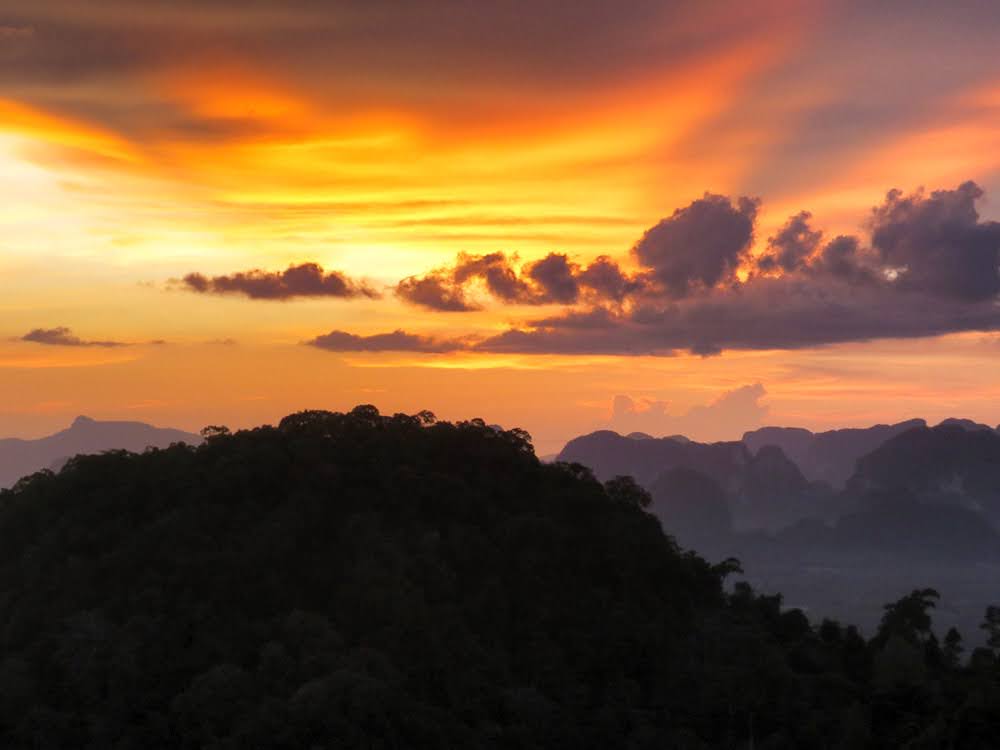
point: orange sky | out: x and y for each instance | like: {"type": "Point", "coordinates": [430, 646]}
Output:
{"type": "Point", "coordinates": [140, 142]}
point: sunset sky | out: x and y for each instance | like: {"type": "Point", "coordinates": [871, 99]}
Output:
{"type": "Point", "coordinates": [676, 217]}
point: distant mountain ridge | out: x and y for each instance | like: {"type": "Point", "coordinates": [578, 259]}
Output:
{"type": "Point", "coordinates": [609, 454]}
{"type": "Point", "coordinates": [776, 476]}
{"type": "Point", "coordinates": [950, 464]}
{"type": "Point", "coordinates": [19, 458]}
{"type": "Point", "coordinates": [837, 520]}
{"type": "Point", "coordinates": [814, 514]}
{"type": "Point", "coordinates": [767, 489]}
{"type": "Point", "coordinates": [827, 456]}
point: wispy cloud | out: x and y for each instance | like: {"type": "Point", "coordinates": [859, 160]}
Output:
{"type": "Point", "coordinates": [63, 336]}
{"type": "Point", "coordinates": [396, 341]}
{"type": "Point", "coordinates": [303, 280]}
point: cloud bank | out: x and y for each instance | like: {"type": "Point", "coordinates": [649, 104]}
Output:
{"type": "Point", "coordinates": [928, 266]}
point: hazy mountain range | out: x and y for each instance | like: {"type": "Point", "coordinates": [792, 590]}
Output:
{"type": "Point", "coordinates": [19, 458]}
{"type": "Point", "coordinates": [777, 476]}
{"type": "Point", "coordinates": [828, 456]}
{"type": "Point", "coordinates": [836, 519]}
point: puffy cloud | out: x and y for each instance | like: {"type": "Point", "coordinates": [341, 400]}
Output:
{"type": "Point", "coordinates": [496, 272]}
{"type": "Point", "coordinates": [63, 336]}
{"type": "Point", "coordinates": [397, 341]}
{"type": "Point", "coordinates": [794, 243]}
{"type": "Point", "coordinates": [931, 267]}
{"type": "Point", "coordinates": [699, 246]}
{"type": "Point", "coordinates": [304, 280]}
{"type": "Point", "coordinates": [435, 292]}
{"type": "Point", "coordinates": [842, 258]}
{"type": "Point", "coordinates": [725, 418]}
{"type": "Point", "coordinates": [554, 279]}
{"type": "Point", "coordinates": [937, 243]}
{"type": "Point", "coordinates": [606, 280]}
{"type": "Point", "coordinates": [444, 289]}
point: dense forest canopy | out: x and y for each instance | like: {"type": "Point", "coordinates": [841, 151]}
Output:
{"type": "Point", "coordinates": [359, 581]}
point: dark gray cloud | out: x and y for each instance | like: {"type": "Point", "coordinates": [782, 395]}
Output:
{"type": "Point", "coordinates": [496, 272]}
{"type": "Point", "coordinates": [444, 289]}
{"type": "Point", "coordinates": [699, 246]}
{"type": "Point", "coordinates": [931, 267]}
{"type": "Point", "coordinates": [397, 341]}
{"type": "Point", "coordinates": [555, 279]}
{"type": "Point", "coordinates": [937, 244]}
{"type": "Point", "coordinates": [843, 258]}
{"type": "Point", "coordinates": [605, 280]}
{"type": "Point", "coordinates": [792, 246]}
{"type": "Point", "coordinates": [434, 291]}
{"type": "Point", "coordinates": [797, 247]}
{"type": "Point", "coordinates": [305, 280]}
{"type": "Point", "coordinates": [63, 336]}
{"type": "Point", "coordinates": [771, 313]}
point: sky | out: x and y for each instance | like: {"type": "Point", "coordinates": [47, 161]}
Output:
{"type": "Point", "coordinates": [675, 217]}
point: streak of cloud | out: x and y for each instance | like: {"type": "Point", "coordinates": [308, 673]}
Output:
{"type": "Point", "coordinates": [396, 341]}
{"type": "Point", "coordinates": [62, 336]}
{"type": "Point", "coordinates": [304, 280]}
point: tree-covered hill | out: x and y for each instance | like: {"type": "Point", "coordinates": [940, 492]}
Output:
{"type": "Point", "coordinates": [361, 581]}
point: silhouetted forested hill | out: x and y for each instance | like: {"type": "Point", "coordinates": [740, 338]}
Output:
{"type": "Point", "coordinates": [357, 581]}
{"type": "Point", "coordinates": [19, 458]}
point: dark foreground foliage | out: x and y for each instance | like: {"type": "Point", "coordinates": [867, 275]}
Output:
{"type": "Point", "coordinates": [360, 581]}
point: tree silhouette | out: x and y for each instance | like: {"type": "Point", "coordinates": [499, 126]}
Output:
{"type": "Point", "coordinates": [953, 647]}
{"type": "Point", "coordinates": [909, 618]}
{"type": "Point", "coordinates": [627, 491]}
{"type": "Point", "coordinates": [991, 624]}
